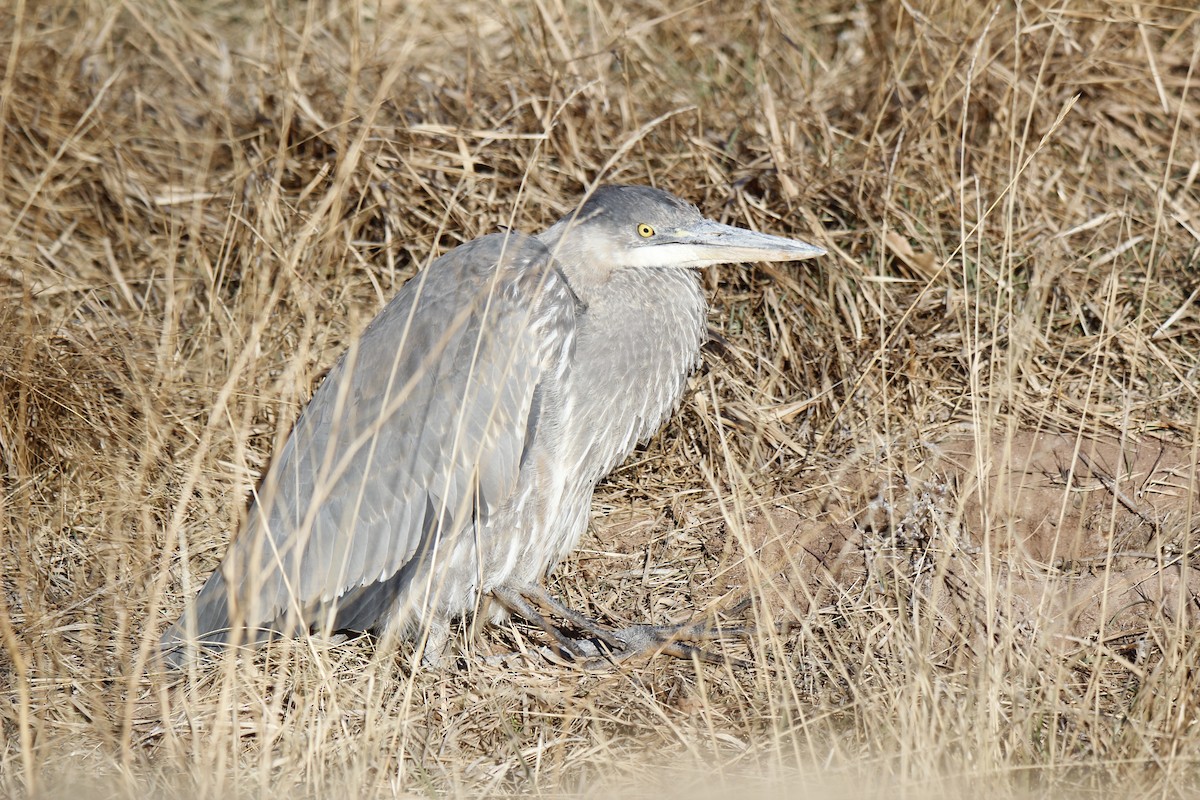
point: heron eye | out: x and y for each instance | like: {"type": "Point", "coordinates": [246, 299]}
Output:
{"type": "Point", "coordinates": [645, 231]}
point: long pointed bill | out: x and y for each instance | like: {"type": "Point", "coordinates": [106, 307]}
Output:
{"type": "Point", "coordinates": [706, 243]}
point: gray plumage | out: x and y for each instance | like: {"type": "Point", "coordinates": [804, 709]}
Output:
{"type": "Point", "coordinates": [452, 452]}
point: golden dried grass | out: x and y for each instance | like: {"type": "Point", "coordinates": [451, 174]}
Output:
{"type": "Point", "coordinates": [202, 203]}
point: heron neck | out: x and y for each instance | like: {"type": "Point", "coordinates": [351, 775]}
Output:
{"type": "Point", "coordinates": [587, 264]}
{"type": "Point", "coordinates": [638, 339]}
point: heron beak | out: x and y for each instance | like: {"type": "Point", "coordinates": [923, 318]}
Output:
{"type": "Point", "coordinates": [706, 243]}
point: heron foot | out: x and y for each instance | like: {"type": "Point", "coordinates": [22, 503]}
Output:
{"type": "Point", "coordinates": [602, 646]}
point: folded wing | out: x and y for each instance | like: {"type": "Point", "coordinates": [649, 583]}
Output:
{"type": "Point", "coordinates": [414, 441]}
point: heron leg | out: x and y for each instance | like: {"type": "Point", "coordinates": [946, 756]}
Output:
{"type": "Point", "coordinates": [674, 640]}
{"type": "Point", "coordinates": [434, 643]}
{"type": "Point", "coordinates": [518, 603]}
{"type": "Point", "coordinates": [550, 603]}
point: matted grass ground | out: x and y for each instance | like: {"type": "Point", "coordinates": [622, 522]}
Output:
{"type": "Point", "coordinates": [959, 453]}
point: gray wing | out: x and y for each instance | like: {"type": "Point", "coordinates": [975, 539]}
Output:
{"type": "Point", "coordinates": [415, 436]}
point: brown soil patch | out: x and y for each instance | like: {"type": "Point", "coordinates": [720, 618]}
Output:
{"type": "Point", "coordinates": [1066, 539]}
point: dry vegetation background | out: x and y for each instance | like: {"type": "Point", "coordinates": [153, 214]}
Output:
{"type": "Point", "coordinates": [959, 452]}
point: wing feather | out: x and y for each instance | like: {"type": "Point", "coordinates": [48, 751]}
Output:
{"type": "Point", "coordinates": [415, 437]}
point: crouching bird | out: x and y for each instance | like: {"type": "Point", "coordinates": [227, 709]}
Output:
{"type": "Point", "coordinates": [449, 457]}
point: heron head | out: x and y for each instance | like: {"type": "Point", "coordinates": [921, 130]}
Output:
{"type": "Point", "coordinates": [620, 227]}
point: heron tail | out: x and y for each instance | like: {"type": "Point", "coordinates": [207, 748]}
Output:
{"type": "Point", "coordinates": [204, 625]}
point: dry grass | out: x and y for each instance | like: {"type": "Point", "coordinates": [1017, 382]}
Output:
{"type": "Point", "coordinates": [960, 451]}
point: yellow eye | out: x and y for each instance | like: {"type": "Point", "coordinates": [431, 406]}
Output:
{"type": "Point", "coordinates": [645, 231]}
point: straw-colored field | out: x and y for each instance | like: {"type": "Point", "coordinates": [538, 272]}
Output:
{"type": "Point", "coordinates": [958, 454]}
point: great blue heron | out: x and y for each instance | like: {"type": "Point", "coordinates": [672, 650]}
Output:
{"type": "Point", "coordinates": [449, 458]}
